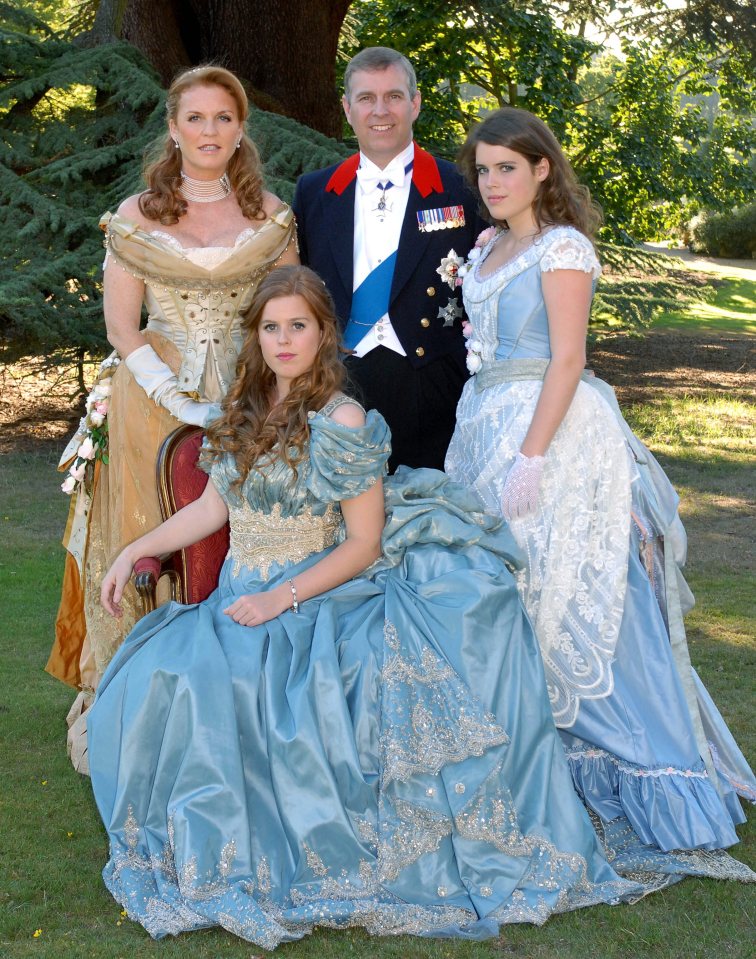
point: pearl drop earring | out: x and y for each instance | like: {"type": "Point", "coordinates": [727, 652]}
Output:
{"type": "Point", "coordinates": [176, 144]}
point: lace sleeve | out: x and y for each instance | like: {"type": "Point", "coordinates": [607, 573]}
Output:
{"type": "Point", "coordinates": [571, 250]}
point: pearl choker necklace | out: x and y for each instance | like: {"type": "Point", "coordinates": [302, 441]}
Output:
{"type": "Point", "coordinates": [204, 191]}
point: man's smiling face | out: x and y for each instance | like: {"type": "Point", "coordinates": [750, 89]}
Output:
{"type": "Point", "coordinates": [381, 112]}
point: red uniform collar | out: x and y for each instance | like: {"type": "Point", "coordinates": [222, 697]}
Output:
{"type": "Point", "coordinates": [425, 174]}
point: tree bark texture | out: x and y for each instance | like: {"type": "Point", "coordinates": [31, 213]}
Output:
{"type": "Point", "coordinates": [284, 49]}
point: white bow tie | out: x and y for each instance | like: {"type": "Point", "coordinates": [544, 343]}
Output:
{"type": "Point", "coordinates": [372, 178]}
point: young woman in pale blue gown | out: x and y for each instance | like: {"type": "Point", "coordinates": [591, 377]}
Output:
{"type": "Point", "coordinates": [543, 443]}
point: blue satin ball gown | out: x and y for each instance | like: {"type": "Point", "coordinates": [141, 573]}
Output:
{"type": "Point", "coordinates": [386, 757]}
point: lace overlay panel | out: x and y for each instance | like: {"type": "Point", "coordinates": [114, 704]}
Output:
{"type": "Point", "coordinates": [576, 542]}
{"type": "Point", "coordinates": [260, 539]}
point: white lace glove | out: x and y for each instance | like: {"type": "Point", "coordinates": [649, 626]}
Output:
{"type": "Point", "coordinates": [159, 383]}
{"type": "Point", "coordinates": [520, 494]}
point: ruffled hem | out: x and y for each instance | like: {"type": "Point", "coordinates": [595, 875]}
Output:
{"type": "Point", "coordinates": [667, 807]}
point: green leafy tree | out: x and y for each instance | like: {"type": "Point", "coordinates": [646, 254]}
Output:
{"type": "Point", "coordinates": [473, 56]}
{"type": "Point", "coordinates": [637, 124]}
{"type": "Point", "coordinates": [74, 125]}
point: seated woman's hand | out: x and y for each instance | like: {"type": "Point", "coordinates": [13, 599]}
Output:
{"type": "Point", "coordinates": [114, 584]}
{"type": "Point", "coordinates": [252, 609]}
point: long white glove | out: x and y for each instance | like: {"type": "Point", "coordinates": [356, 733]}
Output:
{"type": "Point", "coordinates": [520, 494]}
{"type": "Point", "coordinates": [159, 383]}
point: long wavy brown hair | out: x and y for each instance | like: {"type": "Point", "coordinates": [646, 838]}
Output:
{"type": "Point", "coordinates": [252, 427]}
{"type": "Point", "coordinates": [560, 200]}
{"type": "Point", "coordinates": [162, 200]}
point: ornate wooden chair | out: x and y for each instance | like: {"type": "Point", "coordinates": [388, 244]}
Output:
{"type": "Point", "coordinates": [192, 572]}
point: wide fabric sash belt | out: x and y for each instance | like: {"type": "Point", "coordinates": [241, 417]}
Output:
{"type": "Point", "coordinates": [507, 371]}
{"type": "Point", "coordinates": [260, 539]}
{"type": "Point", "coordinates": [370, 301]}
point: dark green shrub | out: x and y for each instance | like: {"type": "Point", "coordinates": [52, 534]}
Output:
{"type": "Point", "coordinates": [731, 234]}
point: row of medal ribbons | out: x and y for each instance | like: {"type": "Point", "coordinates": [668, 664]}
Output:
{"type": "Point", "coordinates": [441, 218]}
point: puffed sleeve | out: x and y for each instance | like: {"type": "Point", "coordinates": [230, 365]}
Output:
{"type": "Point", "coordinates": [346, 460]}
{"type": "Point", "coordinates": [221, 470]}
{"type": "Point", "coordinates": [568, 249]}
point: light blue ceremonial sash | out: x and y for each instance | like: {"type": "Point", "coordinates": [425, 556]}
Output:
{"type": "Point", "coordinates": [370, 301]}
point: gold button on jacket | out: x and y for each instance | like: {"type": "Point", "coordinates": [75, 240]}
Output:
{"type": "Point", "coordinates": [425, 322]}
{"type": "Point", "coordinates": [420, 351]}
{"type": "Point", "coordinates": [431, 291]}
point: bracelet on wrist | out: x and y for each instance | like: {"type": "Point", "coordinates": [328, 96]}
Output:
{"type": "Point", "coordinates": [294, 601]}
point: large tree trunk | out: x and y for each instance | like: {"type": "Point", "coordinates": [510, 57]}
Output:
{"type": "Point", "coordinates": [285, 49]}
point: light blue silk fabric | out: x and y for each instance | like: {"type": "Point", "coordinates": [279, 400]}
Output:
{"type": "Point", "coordinates": [386, 757]}
{"type": "Point", "coordinates": [635, 753]}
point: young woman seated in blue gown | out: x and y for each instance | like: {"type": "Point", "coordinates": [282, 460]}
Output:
{"type": "Point", "coordinates": [543, 443]}
{"type": "Point", "coordinates": [354, 728]}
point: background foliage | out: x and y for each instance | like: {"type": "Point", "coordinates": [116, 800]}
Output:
{"type": "Point", "coordinates": [657, 124]}
{"type": "Point", "coordinates": [75, 125]}
{"type": "Point", "coordinates": [653, 105]}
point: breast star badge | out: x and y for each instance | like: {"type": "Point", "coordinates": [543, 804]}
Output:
{"type": "Point", "coordinates": [450, 312]}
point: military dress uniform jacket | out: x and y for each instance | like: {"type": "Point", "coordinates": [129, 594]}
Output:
{"type": "Point", "coordinates": [324, 209]}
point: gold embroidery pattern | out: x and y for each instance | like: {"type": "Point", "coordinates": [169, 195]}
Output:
{"type": "Point", "coordinates": [260, 539]}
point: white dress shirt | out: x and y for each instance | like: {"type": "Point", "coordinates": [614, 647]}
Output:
{"type": "Point", "coordinates": [376, 233]}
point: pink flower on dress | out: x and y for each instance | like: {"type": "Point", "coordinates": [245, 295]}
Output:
{"type": "Point", "coordinates": [87, 449]}
{"type": "Point", "coordinates": [484, 236]}
{"type": "Point", "coordinates": [68, 485]}
{"type": "Point", "coordinates": [77, 471]}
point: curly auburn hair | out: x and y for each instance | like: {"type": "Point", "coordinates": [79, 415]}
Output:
{"type": "Point", "coordinates": [560, 200]}
{"type": "Point", "coordinates": [251, 428]}
{"type": "Point", "coordinates": [162, 200]}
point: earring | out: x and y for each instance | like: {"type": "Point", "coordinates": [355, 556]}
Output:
{"type": "Point", "coordinates": [238, 143]}
{"type": "Point", "coordinates": [176, 144]}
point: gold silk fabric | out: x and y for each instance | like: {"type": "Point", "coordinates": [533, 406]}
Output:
{"type": "Point", "coordinates": [201, 350]}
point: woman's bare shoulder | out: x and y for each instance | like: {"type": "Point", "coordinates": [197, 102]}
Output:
{"type": "Point", "coordinates": [129, 209]}
{"type": "Point", "coordinates": [343, 409]}
{"type": "Point", "coordinates": [270, 203]}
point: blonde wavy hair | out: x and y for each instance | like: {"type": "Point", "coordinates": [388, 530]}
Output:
{"type": "Point", "coordinates": [252, 429]}
{"type": "Point", "coordinates": [162, 200]}
{"type": "Point", "coordinates": [560, 200]}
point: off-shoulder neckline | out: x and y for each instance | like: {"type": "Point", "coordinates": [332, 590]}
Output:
{"type": "Point", "coordinates": [342, 399]}
{"type": "Point", "coordinates": [175, 244]}
{"type": "Point", "coordinates": [174, 241]}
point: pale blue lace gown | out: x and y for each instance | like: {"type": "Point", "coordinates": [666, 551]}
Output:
{"type": "Point", "coordinates": [334, 767]}
{"type": "Point", "coordinates": [645, 743]}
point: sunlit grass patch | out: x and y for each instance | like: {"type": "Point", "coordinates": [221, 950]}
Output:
{"type": "Point", "coordinates": [708, 424]}
{"type": "Point", "coordinates": [731, 310]}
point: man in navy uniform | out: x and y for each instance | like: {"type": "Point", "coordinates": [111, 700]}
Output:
{"type": "Point", "coordinates": [376, 228]}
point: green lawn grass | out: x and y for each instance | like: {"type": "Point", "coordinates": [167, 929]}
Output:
{"type": "Point", "coordinates": [53, 846]}
{"type": "Point", "coordinates": [732, 310]}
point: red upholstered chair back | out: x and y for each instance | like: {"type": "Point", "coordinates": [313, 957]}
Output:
{"type": "Point", "coordinates": [180, 482]}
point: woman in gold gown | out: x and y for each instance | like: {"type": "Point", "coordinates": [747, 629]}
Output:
{"type": "Point", "coordinates": [191, 249]}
